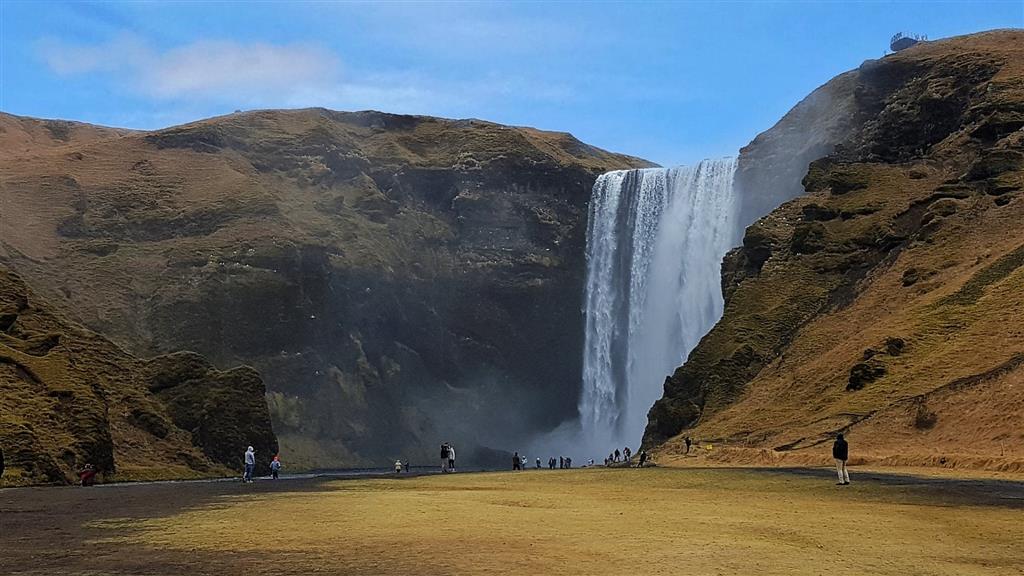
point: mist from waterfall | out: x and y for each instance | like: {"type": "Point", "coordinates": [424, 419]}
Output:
{"type": "Point", "coordinates": [655, 242]}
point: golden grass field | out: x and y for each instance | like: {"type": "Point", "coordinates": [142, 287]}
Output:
{"type": "Point", "coordinates": [603, 521]}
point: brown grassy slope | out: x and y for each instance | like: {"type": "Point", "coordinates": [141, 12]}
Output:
{"type": "Point", "coordinates": [69, 397]}
{"type": "Point", "coordinates": [378, 270]}
{"type": "Point", "coordinates": [886, 301]}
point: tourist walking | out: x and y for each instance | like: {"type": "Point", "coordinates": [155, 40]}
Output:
{"type": "Point", "coordinates": [841, 453]}
{"type": "Point", "coordinates": [627, 453]}
{"type": "Point", "coordinates": [617, 455]}
{"type": "Point", "coordinates": [250, 464]}
{"type": "Point", "coordinates": [275, 467]}
{"type": "Point", "coordinates": [451, 457]}
{"type": "Point", "coordinates": [516, 463]}
{"type": "Point", "coordinates": [87, 476]}
{"type": "Point", "coordinates": [643, 458]}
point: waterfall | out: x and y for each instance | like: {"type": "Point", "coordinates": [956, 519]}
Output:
{"type": "Point", "coordinates": [655, 242]}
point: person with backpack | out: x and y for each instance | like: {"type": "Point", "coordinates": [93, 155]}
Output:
{"type": "Point", "coordinates": [250, 464]}
{"type": "Point", "coordinates": [275, 467]}
{"type": "Point", "coordinates": [841, 453]}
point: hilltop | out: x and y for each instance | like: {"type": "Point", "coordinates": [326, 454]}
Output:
{"type": "Point", "coordinates": [396, 280]}
{"type": "Point", "coordinates": [884, 300]}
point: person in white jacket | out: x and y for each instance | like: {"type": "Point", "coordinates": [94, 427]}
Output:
{"type": "Point", "coordinates": [451, 457]}
{"type": "Point", "coordinates": [250, 464]}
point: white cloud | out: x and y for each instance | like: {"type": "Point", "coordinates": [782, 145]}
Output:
{"type": "Point", "coordinates": [214, 70]}
{"type": "Point", "coordinates": [250, 75]}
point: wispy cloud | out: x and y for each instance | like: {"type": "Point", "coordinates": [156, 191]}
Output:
{"type": "Point", "coordinates": [205, 69]}
{"type": "Point", "coordinates": [276, 75]}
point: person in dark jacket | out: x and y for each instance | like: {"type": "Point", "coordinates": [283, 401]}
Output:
{"type": "Point", "coordinates": [841, 453]}
{"type": "Point", "coordinates": [517, 464]}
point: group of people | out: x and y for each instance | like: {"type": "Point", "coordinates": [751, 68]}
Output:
{"type": "Point", "coordinates": [447, 458]}
{"type": "Point", "coordinates": [562, 462]}
{"type": "Point", "coordinates": [250, 465]}
{"type": "Point", "coordinates": [624, 456]}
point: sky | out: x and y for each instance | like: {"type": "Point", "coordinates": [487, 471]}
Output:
{"type": "Point", "coordinates": [672, 82]}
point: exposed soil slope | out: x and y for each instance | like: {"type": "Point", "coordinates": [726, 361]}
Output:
{"type": "Point", "coordinates": [69, 397]}
{"type": "Point", "coordinates": [886, 300]}
{"type": "Point", "coordinates": [397, 280]}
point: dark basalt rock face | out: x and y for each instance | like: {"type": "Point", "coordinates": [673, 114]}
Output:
{"type": "Point", "coordinates": [224, 411]}
{"type": "Point", "coordinates": [858, 170]}
{"type": "Point", "coordinates": [69, 397]}
{"type": "Point", "coordinates": [397, 281]}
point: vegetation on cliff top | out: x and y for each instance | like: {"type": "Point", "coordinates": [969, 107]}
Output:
{"type": "Point", "coordinates": [884, 302]}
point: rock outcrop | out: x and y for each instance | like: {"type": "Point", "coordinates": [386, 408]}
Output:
{"type": "Point", "coordinates": [69, 397]}
{"type": "Point", "coordinates": [888, 281]}
{"type": "Point", "coordinates": [396, 280]}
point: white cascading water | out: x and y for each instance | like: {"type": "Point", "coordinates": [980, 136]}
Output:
{"type": "Point", "coordinates": [655, 242]}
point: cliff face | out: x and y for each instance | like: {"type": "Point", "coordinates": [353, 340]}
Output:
{"type": "Point", "coordinates": [883, 300]}
{"type": "Point", "coordinates": [69, 397]}
{"type": "Point", "coordinates": [396, 280]}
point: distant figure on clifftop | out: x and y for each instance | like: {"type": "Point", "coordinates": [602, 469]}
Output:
{"type": "Point", "coordinates": [841, 453]}
{"type": "Point", "coordinates": [517, 464]}
{"type": "Point", "coordinates": [250, 464]}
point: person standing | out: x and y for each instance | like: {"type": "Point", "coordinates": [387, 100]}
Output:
{"type": "Point", "coordinates": [841, 453]}
{"type": "Point", "coordinates": [398, 466]}
{"type": "Point", "coordinates": [87, 476]}
{"type": "Point", "coordinates": [643, 458]}
{"type": "Point", "coordinates": [451, 458]}
{"type": "Point", "coordinates": [688, 443]}
{"type": "Point", "coordinates": [444, 458]}
{"type": "Point", "coordinates": [538, 462]}
{"type": "Point", "coordinates": [516, 463]}
{"type": "Point", "coordinates": [275, 467]}
{"type": "Point", "coordinates": [250, 464]}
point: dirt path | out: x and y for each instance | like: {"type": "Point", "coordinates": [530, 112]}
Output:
{"type": "Point", "coordinates": [148, 528]}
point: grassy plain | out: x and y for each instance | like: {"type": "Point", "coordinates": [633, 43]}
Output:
{"type": "Point", "coordinates": [651, 521]}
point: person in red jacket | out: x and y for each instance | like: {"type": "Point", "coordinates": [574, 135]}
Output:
{"type": "Point", "coordinates": [87, 475]}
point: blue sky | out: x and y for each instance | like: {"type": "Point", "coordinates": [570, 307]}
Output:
{"type": "Point", "coordinates": [671, 82]}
